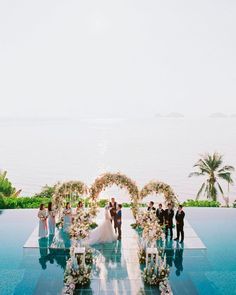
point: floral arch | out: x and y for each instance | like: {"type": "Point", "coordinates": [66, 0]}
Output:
{"type": "Point", "coordinates": [122, 181]}
{"type": "Point", "coordinates": [72, 189]}
{"type": "Point", "coordinates": [159, 188]}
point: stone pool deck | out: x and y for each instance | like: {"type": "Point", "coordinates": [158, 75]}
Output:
{"type": "Point", "coordinates": [61, 241]}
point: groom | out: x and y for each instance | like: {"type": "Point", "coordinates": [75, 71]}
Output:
{"type": "Point", "coordinates": [119, 220]}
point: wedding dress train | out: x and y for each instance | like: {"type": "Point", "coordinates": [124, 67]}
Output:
{"type": "Point", "coordinates": [104, 233]}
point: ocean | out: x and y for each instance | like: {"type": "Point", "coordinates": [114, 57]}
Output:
{"type": "Point", "coordinates": [36, 152]}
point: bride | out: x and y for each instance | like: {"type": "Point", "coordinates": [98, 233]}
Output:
{"type": "Point", "coordinates": [104, 233]}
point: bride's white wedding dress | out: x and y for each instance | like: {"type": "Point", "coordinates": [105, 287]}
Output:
{"type": "Point", "coordinates": [104, 233]}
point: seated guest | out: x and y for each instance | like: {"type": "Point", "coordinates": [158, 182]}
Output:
{"type": "Point", "coordinates": [67, 212]}
{"type": "Point", "coordinates": [179, 217]}
{"type": "Point", "coordinates": [151, 206]}
{"type": "Point", "coordinates": [79, 207]}
{"type": "Point", "coordinates": [43, 227]}
{"type": "Point", "coordinates": [169, 215]}
{"type": "Point", "coordinates": [51, 219]}
{"type": "Point", "coordinates": [160, 213]}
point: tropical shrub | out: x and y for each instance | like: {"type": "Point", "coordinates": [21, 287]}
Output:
{"type": "Point", "coordinates": [201, 203]}
{"type": "Point", "coordinates": [16, 203]}
{"type": "Point", "coordinates": [46, 192]}
{"type": "Point", "coordinates": [234, 204]}
{"type": "Point", "coordinates": [6, 188]}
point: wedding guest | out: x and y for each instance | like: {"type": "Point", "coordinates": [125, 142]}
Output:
{"type": "Point", "coordinates": [113, 208]}
{"type": "Point", "coordinates": [151, 206]}
{"type": "Point", "coordinates": [51, 219]}
{"type": "Point", "coordinates": [67, 212]}
{"type": "Point", "coordinates": [43, 227]}
{"type": "Point", "coordinates": [169, 215]}
{"type": "Point", "coordinates": [79, 207]}
{"type": "Point", "coordinates": [119, 220]}
{"type": "Point", "coordinates": [179, 217]}
{"type": "Point", "coordinates": [160, 213]}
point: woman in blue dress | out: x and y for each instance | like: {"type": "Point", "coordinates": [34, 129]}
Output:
{"type": "Point", "coordinates": [51, 219]}
{"type": "Point", "coordinates": [43, 226]}
{"type": "Point", "coordinates": [67, 212]}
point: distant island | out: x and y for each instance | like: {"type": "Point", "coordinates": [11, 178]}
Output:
{"type": "Point", "coordinates": [174, 115]}
{"type": "Point", "coordinates": [158, 115]}
{"type": "Point", "coordinates": [170, 115]}
{"type": "Point", "coordinates": [218, 115]}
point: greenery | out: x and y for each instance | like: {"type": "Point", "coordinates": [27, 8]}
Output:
{"type": "Point", "coordinates": [201, 203]}
{"type": "Point", "coordinates": [6, 188]}
{"type": "Point", "coordinates": [15, 203]}
{"type": "Point", "coordinates": [93, 225]}
{"type": "Point", "coordinates": [34, 202]}
{"type": "Point", "coordinates": [211, 167]}
{"type": "Point", "coordinates": [46, 192]}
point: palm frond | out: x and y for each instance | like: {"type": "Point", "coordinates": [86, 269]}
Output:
{"type": "Point", "coordinates": [227, 169]}
{"type": "Point", "coordinates": [226, 176]}
{"type": "Point", "coordinates": [195, 174]}
{"type": "Point", "coordinates": [200, 191]}
{"type": "Point", "coordinates": [220, 188]}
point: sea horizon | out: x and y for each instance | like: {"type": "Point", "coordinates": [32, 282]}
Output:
{"type": "Point", "coordinates": [37, 151]}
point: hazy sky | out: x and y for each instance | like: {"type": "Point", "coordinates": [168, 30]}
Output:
{"type": "Point", "coordinates": [117, 58]}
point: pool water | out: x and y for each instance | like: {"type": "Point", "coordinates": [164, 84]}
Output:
{"type": "Point", "coordinates": [40, 271]}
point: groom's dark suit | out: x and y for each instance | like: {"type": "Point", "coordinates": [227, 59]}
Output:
{"type": "Point", "coordinates": [119, 222]}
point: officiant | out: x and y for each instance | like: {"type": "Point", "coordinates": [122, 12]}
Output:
{"type": "Point", "coordinates": [113, 209]}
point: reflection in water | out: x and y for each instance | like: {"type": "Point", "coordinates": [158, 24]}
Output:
{"type": "Point", "coordinates": [178, 260]}
{"type": "Point", "coordinates": [111, 267]}
{"type": "Point", "coordinates": [169, 251]}
{"type": "Point", "coordinates": [51, 255]}
{"type": "Point", "coordinates": [175, 256]}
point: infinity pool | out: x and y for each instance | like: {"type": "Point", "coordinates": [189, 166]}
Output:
{"type": "Point", "coordinates": [37, 271]}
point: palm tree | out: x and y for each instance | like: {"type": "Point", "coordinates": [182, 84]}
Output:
{"type": "Point", "coordinates": [6, 188]}
{"type": "Point", "coordinates": [211, 166]}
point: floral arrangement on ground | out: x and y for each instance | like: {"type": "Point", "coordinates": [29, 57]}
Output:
{"type": "Point", "coordinates": [154, 275]}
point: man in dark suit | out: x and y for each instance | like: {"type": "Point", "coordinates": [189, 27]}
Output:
{"type": "Point", "coordinates": [151, 206]}
{"type": "Point", "coordinates": [113, 208]}
{"type": "Point", "coordinates": [119, 220]}
{"type": "Point", "coordinates": [179, 217]}
{"type": "Point", "coordinates": [160, 213]}
{"type": "Point", "coordinates": [169, 215]}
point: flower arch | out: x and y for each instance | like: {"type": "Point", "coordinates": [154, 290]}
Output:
{"type": "Point", "coordinates": [69, 188]}
{"type": "Point", "coordinates": [159, 187]}
{"type": "Point", "coordinates": [122, 181]}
